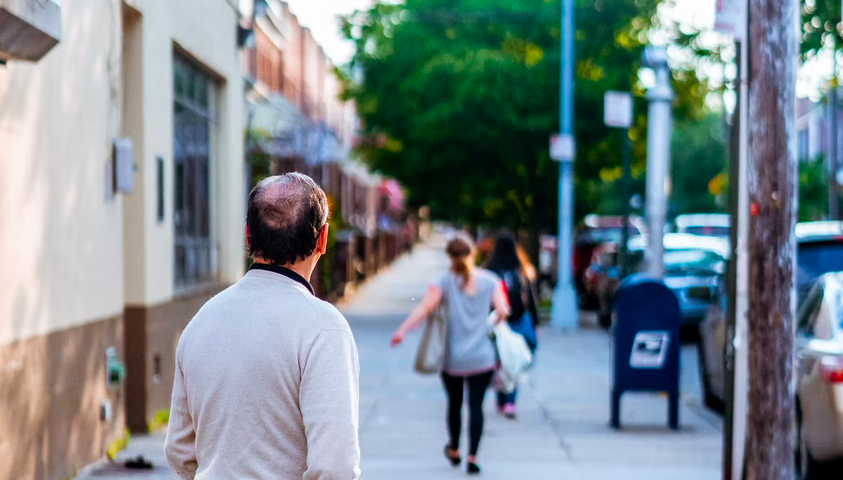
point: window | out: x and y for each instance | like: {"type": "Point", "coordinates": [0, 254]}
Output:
{"type": "Point", "coordinates": [193, 116]}
{"type": "Point", "coordinates": [807, 314]}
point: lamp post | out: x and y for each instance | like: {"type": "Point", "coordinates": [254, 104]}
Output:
{"type": "Point", "coordinates": [563, 313]}
{"type": "Point", "coordinates": [658, 156]}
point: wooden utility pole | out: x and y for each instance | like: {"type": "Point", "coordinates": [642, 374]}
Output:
{"type": "Point", "coordinates": [772, 200]}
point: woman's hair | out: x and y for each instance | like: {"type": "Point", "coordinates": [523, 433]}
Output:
{"type": "Point", "coordinates": [508, 255]}
{"type": "Point", "coordinates": [526, 265]}
{"type": "Point", "coordinates": [505, 255]}
{"type": "Point", "coordinates": [460, 249]}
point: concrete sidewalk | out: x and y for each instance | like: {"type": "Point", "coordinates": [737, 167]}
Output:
{"type": "Point", "coordinates": [562, 428]}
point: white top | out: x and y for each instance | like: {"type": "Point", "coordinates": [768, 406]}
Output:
{"type": "Point", "coordinates": [266, 387]}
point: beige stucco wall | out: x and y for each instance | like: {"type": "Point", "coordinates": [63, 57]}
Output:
{"type": "Point", "coordinates": [205, 30]}
{"type": "Point", "coordinates": [60, 238]}
{"type": "Point", "coordinates": [62, 249]}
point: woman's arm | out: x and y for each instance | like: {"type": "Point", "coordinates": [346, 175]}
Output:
{"type": "Point", "coordinates": [500, 302]}
{"type": "Point", "coordinates": [429, 302]}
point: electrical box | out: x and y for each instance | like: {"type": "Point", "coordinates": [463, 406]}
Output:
{"type": "Point", "coordinates": [115, 370]}
{"type": "Point", "coordinates": [124, 165]}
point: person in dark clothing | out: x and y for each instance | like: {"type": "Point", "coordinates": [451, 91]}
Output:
{"type": "Point", "coordinates": [510, 263]}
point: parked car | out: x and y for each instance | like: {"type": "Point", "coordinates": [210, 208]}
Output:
{"type": "Point", "coordinates": [603, 275]}
{"type": "Point", "coordinates": [693, 268]}
{"type": "Point", "coordinates": [819, 376]}
{"type": "Point", "coordinates": [595, 231]}
{"type": "Point", "coordinates": [706, 224]}
{"type": "Point", "coordinates": [819, 250]}
{"type": "Point", "coordinates": [819, 290]}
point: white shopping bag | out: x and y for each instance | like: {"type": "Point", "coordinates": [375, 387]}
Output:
{"type": "Point", "coordinates": [513, 353]}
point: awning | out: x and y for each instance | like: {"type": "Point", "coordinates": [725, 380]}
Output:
{"type": "Point", "coordinates": [280, 130]}
{"type": "Point", "coordinates": [29, 29]}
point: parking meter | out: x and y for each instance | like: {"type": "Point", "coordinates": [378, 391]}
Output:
{"type": "Point", "coordinates": [646, 343]}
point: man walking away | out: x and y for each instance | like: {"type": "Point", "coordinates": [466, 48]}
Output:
{"type": "Point", "coordinates": [266, 383]}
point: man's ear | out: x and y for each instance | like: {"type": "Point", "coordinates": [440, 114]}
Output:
{"type": "Point", "coordinates": [322, 242]}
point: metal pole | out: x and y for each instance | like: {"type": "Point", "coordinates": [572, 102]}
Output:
{"type": "Point", "coordinates": [658, 157]}
{"type": "Point", "coordinates": [732, 271]}
{"type": "Point", "coordinates": [627, 178]}
{"type": "Point", "coordinates": [833, 213]}
{"type": "Point", "coordinates": [563, 313]}
{"type": "Point", "coordinates": [740, 382]}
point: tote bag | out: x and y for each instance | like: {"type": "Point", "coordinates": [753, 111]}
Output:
{"type": "Point", "coordinates": [430, 357]}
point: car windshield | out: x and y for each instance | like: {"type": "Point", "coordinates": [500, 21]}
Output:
{"type": "Point", "coordinates": [693, 261]}
{"type": "Point", "coordinates": [817, 258]}
{"type": "Point", "coordinates": [707, 230]}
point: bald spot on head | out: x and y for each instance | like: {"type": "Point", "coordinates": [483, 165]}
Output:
{"type": "Point", "coordinates": [282, 198]}
{"type": "Point", "coordinates": [285, 215]}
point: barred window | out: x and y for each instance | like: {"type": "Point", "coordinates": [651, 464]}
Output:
{"type": "Point", "coordinates": [192, 122]}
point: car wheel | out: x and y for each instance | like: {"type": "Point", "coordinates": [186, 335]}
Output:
{"type": "Point", "coordinates": [806, 467]}
{"type": "Point", "coordinates": [710, 400]}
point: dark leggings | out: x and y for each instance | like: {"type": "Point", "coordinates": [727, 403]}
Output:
{"type": "Point", "coordinates": [477, 385]}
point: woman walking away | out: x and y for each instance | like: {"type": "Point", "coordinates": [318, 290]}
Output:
{"type": "Point", "coordinates": [510, 263]}
{"type": "Point", "coordinates": [468, 294]}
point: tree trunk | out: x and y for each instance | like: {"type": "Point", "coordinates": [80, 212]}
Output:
{"type": "Point", "coordinates": [772, 197]}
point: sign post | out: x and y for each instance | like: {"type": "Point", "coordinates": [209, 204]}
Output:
{"type": "Point", "coordinates": [563, 313]}
{"type": "Point", "coordinates": [731, 19]}
{"type": "Point", "coordinates": [617, 113]}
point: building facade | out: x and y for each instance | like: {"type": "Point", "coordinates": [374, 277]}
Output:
{"type": "Point", "coordinates": [297, 121]}
{"type": "Point", "coordinates": [121, 211]}
{"type": "Point", "coordinates": [813, 132]}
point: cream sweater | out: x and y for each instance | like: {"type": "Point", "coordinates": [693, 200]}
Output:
{"type": "Point", "coordinates": [266, 387]}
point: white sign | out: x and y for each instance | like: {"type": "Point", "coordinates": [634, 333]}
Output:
{"type": "Point", "coordinates": [617, 109]}
{"type": "Point", "coordinates": [730, 18]}
{"type": "Point", "coordinates": [562, 148]}
{"type": "Point", "coordinates": [649, 349]}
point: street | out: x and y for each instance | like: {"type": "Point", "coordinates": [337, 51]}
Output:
{"type": "Point", "coordinates": [562, 426]}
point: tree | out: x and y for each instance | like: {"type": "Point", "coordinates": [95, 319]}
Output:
{"type": "Point", "coordinates": [698, 166]}
{"type": "Point", "coordinates": [813, 196]}
{"type": "Point", "coordinates": [458, 100]}
{"type": "Point", "coordinates": [820, 27]}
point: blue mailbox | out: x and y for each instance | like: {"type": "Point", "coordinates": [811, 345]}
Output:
{"type": "Point", "coordinates": [646, 343]}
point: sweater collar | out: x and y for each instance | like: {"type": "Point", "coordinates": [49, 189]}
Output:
{"type": "Point", "coordinates": [285, 272]}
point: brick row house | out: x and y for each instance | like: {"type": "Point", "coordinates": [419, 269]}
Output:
{"type": "Point", "coordinates": [297, 122]}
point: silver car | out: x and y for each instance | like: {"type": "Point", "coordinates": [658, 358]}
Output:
{"type": "Point", "coordinates": [818, 373]}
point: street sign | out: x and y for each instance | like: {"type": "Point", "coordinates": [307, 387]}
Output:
{"type": "Point", "coordinates": [562, 148]}
{"type": "Point", "coordinates": [617, 109]}
{"type": "Point", "coordinates": [730, 18]}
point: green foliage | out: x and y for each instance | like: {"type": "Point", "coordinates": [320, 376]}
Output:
{"type": "Point", "coordinates": [820, 26]}
{"type": "Point", "coordinates": [459, 97]}
{"type": "Point", "coordinates": [698, 162]}
{"type": "Point", "coordinates": [813, 190]}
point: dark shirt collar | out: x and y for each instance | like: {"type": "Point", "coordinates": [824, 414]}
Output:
{"type": "Point", "coordinates": [284, 271]}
